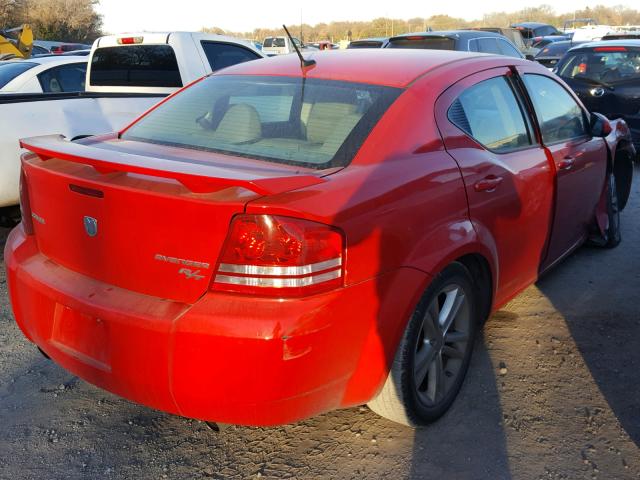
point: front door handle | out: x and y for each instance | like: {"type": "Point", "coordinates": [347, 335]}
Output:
{"type": "Point", "coordinates": [488, 184]}
{"type": "Point", "coordinates": [566, 163]}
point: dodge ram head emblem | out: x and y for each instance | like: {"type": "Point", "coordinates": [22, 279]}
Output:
{"type": "Point", "coordinates": [90, 226]}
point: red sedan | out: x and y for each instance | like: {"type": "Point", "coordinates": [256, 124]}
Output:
{"type": "Point", "coordinates": [276, 241]}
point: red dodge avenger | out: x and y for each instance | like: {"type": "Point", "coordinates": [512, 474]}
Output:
{"type": "Point", "coordinates": [275, 240]}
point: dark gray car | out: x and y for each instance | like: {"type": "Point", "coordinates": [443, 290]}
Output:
{"type": "Point", "coordinates": [461, 40]}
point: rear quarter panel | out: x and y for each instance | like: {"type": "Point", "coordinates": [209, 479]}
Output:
{"type": "Point", "coordinates": [402, 206]}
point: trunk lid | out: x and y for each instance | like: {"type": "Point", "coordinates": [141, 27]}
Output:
{"type": "Point", "coordinates": [151, 224]}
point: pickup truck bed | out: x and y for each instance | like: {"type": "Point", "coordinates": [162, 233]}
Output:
{"type": "Point", "coordinates": [71, 114]}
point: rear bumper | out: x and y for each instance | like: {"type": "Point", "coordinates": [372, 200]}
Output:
{"type": "Point", "coordinates": [227, 358]}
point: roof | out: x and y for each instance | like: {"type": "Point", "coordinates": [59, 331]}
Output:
{"type": "Point", "coordinates": [165, 38]}
{"type": "Point", "coordinates": [371, 39]}
{"type": "Point", "coordinates": [462, 34]}
{"type": "Point", "coordinates": [493, 29]}
{"type": "Point", "coordinates": [612, 43]}
{"type": "Point", "coordinates": [530, 25]}
{"type": "Point", "coordinates": [390, 67]}
{"type": "Point", "coordinates": [49, 59]}
{"type": "Point", "coordinates": [556, 49]}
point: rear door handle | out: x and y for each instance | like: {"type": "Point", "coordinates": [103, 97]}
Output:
{"type": "Point", "coordinates": [488, 184]}
{"type": "Point", "coordinates": [566, 163]}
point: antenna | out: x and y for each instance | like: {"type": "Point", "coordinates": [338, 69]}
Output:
{"type": "Point", "coordinates": [303, 63]}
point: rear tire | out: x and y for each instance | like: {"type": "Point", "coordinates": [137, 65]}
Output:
{"type": "Point", "coordinates": [612, 232]}
{"type": "Point", "coordinates": [434, 353]}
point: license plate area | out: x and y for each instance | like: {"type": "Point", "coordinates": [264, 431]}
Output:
{"type": "Point", "coordinates": [81, 336]}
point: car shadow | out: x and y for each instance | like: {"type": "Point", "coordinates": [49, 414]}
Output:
{"type": "Point", "coordinates": [469, 440]}
{"type": "Point", "coordinates": [608, 340]}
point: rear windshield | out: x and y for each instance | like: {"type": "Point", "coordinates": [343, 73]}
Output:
{"type": "Point", "coordinates": [274, 42]}
{"type": "Point", "coordinates": [610, 65]}
{"type": "Point", "coordinates": [135, 65]}
{"type": "Point", "coordinates": [10, 70]}
{"type": "Point", "coordinates": [526, 32]}
{"type": "Point", "coordinates": [315, 123]}
{"type": "Point", "coordinates": [431, 43]}
{"type": "Point", "coordinates": [366, 44]}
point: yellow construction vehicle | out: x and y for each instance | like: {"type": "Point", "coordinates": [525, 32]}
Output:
{"type": "Point", "coordinates": [18, 47]}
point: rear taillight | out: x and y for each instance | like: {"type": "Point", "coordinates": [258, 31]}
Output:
{"type": "Point", "coordinates": [280, 256]}
{"type": "Point", "coordinates": [610, 49]}
{"type": "Point", "coordinates": [25, 206]}
{"type": "Point", "coordinates": [130, 40]}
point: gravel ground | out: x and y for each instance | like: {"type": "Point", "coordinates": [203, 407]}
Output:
{"type": "Point", "coordinates": [553, 392]}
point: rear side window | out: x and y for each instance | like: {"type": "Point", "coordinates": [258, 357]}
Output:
{"type": "Point", "coordinates": [526, 32]}
{"type": "Point", "coordinates": [559, 115]}
{"type": "Point", "coordinates": [488, 45]}
{"type": "Point", "coordinates": [507, 49]}
{"type": "Point", "coordinates": [221, 55]}
{"type": "Point", "coordinates": [65, 78]}
{"type": "Point", "coordinates": [135, 65]}
{"type": "Point", "coordinates": [430, 43]}
{"type": "Point", "coordinates": [314, 123]}
{"type": "Point", "coordinates": [490, 113]}
{"type": "Point", "coordinates": [10, 70]}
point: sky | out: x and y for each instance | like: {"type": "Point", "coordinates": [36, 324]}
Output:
{"type": "Point", "coordinates": [121, 16]}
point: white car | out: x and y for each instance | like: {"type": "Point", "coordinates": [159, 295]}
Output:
{"type": "Point", "coordinates": [282, 46]}
{"type": "Point", "coordinates": [43, 75]}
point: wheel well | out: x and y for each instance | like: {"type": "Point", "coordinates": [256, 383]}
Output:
{"type": "Point", "coordinates": [623, 173]}
{"type": "Point", "coordinates": [481, 273]}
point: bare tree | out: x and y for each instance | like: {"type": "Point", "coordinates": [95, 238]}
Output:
{"type": "Point", "coordinates": [64, 20]}
{"type": "Point", "coordinates": [11, 12]}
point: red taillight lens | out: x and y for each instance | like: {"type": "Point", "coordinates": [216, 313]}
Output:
{"type": "Point", "coordinates": [130, 40]}
{"type": "Point", "coordinates": [280, 256]}
{"type": "Point", "coordinates": [25, 206]}
{"type": "Point", "coordinates": [610, 49]}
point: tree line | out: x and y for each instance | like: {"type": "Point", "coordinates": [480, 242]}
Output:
{"type": "Point", "coordinates": [385, 27]}
{"type": "Point", "coordinates": [63, 20]}
{"type": "Point", "coordinates": [78, 21]}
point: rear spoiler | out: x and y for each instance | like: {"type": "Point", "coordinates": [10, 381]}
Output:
{"type": "Point", "coordinates": [197, 177]}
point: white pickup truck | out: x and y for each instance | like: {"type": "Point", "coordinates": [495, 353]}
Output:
{"type": "Point", "coordinates": [126, 75]}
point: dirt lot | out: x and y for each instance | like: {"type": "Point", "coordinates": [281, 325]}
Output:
{"type": "Point", "coordinates": [553, 392]}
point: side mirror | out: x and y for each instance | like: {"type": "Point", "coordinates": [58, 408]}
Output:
{"type": "Point", "coordinates": [528, 56]}
{"type": "Point", "coordinates": [600, 125]}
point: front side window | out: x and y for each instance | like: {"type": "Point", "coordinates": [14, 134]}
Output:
{"type": "Point", "coordinates": [135, 65]}
{"type": "Point", "coordinates": [65, 78]}
{"type": "Point", "coordinates": [490, 113]}
{"type": "Point", "coordinates": [314, 123]}
{"type": "Point", "coordinates": [221, 55]}
{"type": "Point", "coordinates": [559, 115]}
